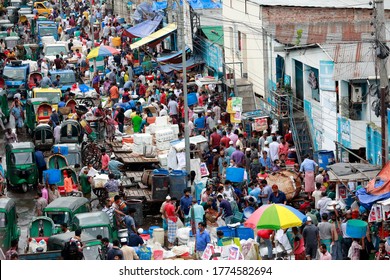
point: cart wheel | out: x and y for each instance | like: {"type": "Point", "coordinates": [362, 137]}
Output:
{"type": "Point", "coordinates": [92, 154]}
{"type": "Point", "coordinates": [24, 188]}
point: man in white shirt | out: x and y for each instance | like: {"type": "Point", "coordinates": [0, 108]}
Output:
{"type": "Point", "coordinates": [217, 111]}
{"type": "Point", "coordinates": [322, 204]}
{"type": "Point", "coordinates": [173, 107]}
{"type": "Point", "coordinates": [163, 111]}
{"type": "Point", "coordinates": [274, 149]}
{"type": "Point", "coordinates": [128, 252]}
{"type": "Point", "coordinates": [57, 134]}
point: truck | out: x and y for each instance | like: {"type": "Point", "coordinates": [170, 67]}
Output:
{"type": "Point", "coordinates": [15, 75]}
{"type": "Point", "coordinates": [46, 28]}
{"type": "Point", "coordinates": [51, 50]}
{"type": "Point", "coordinates": [67, 78]}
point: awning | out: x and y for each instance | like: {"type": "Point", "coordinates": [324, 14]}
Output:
{"type": "Point", "coordinates": [191, 63]}
{"type": "Point", "coordinates": [144, 28]}
{"type": "Point", "coordinates": [172, 58]}
{"type": "Point", "coordinates": [213, 33]}
{"type": "Point", "coordinates": [163, 32]}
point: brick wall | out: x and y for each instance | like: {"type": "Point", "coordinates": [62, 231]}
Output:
{"type": "Point", "coordinates": [318, 25]}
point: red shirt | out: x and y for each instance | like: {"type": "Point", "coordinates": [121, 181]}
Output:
{"type": "Point", "coordinates": [216, 139]}
{"type": "Point", "coordinates": [105, 161]}
{"type": "Point", "coordinates": [225, 140]}
{"type": "Point", "coordinates": [163, 98]}
{"type": "Point", "coordinates": [170, 211]}
{"type": "Point", "coordinates": [142, 90]}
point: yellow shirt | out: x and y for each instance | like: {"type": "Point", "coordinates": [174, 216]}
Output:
{"type": "Point", "coordinates": [126, 78]}
{"type": "Point", "coordinates": [59, 31]}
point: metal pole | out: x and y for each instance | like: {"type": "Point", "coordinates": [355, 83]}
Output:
{"type": "Point", "coordinates": [382, 55]}
{"type": "Point", "coordinates": [184, 62]}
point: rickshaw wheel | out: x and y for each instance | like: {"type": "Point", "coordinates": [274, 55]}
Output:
{"type": "Point", "coordinates": [24, 188]}
{"type": "Point", "coordinates": [92, 154]}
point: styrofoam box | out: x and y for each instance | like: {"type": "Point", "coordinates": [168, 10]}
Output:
{"type": "Point", "coordinates": [161, 121]}
{"type": "Point", "coordinates": [142, 139]}
{"type": "Point", "coordinates": [138, 149]}
{"type": "Point", "coordinates": [163, 159]}
{"type": "Point", "coordinates": [164, 135]}
{"type": "Point", "coordinates": [175, 128]}
{"type": "Point", "coordinates": [163, 146]}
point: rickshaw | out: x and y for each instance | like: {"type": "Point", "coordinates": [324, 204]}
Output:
{"type": "Point", "coordinates": [63, 209]}
{"type": "Point", "coordinates": [53, 95]}
{"type": "Point", "coordinates": [4, 103]}
{"type": "Point", "coordinates": [92, 246]}
{"type": "Point", "coordinates": [11, 42]}
{"type": "Point", "coordinates": [34, 76]}
{"type": "Point", "coordinates": [72, 155]}
{"type": "Point", "coordinates": [71, 103]}
{"type": "Point", "coordinates": [21, 167]}
{"type": "Point", "coordinates": [43, 137]}
{"type": "Point", "coordinates": [9, 229]}
{"type": "Point", "coordinates": [31, 117]}
{"type": "Point", "coordinates": [71, 132]}
{"type": "Point", "coordinates": [12, 13]}
{"type": "Point", "coordinates": [41, 228]}
{"type": "Point", "coordinates": [95, 223]}
{"type": "Point", "coordinates": [4, 23]}
{"type": "Point", "coordinates": [57, 161]}
{"type": "Point", "coordinates": [43, 113]}
{"type": "Point", "coordinates": [74, 177]}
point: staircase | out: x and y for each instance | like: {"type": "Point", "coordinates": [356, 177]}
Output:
{"type": "Point", "coordinates": [244, 90]}
{"type": "Point", "coordinates": [301, 134]}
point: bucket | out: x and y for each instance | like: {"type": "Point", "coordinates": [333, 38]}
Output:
{"type": "Point", "coordinates": [248, 211]}
{"type": "Point", "coordinates": [151, 229]}
{"type": "Point", "coordinates": [116, 41]}
{"type": "Point", "coordinates": [178, 182]}
{"type": "Point", "coordinates": [324, 158]}
{"type": "Point", "coordinates": [192, 99]}
{"type": "Point", "coordinates": [158, 236]}
{"type": "Point", "coordinates": [139, 214]}
{"type": "Point", "coordinates": [146, 178]}
{"type": "Point", "coordinates": [356, 228]}
{"type": "Point", "coordinates": [53, 176]}
{"type": "Point", "coordinates": [235, 174]}
{"type": "Point", "coordinates": [158, 255]}
{"type": "Point", "coordinates": [160, 184]}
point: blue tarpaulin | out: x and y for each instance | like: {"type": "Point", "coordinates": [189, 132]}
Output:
{"type": "Point", "coordinates": [144, 28]}
{"type": "Point", "coordinates": [191, 63]}
{"type": "Point", "coordinates": [369, 199]}
{"type": "Point", "coordinates": [195, 4]}
{"type": "Point", "coordinates": [170, 56]}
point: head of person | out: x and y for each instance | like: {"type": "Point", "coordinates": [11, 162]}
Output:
{"type": "Point", "coordinates": [323, 248]}
{"type": "Point", "coordinates": [324, 217]}
{"type": "Point", "coordinates": [187, 192]}
{"type": "Point", "coordinates": [231, 143]}
{"type": "Point", "coordinates": [201, 226]}
{"type": "Point", "coordinates": [220, 234]}
{"type": "Point", "coordinates": [123, 241]}
{"type": "Point", "coordinates": [105, 241]}
{"type": "Point", "coordinates": [64, 227]}
{"type": "Point", "coordinates": [103, 150]}
{"type": "Point", "coordinates": [227, 183]}
{"type": "Point", "coordinates": [111, 176]}
{"type": "Point", "coordinates": [220, 197]}
{"type": "Point", "coordinates": [77, 232]}
{"type": "Point", "coordinates": [275, 188]}
{"type": "Point", "coordinates": [294, 230]}
{"type": "Point", "coordinates": [308, 220]}
{"type": "Point", "coordinates": [132, 211]}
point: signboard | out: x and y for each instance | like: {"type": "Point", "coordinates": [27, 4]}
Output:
{"type": "Point", "coordinates": [213, 57]}
{"type": "Point", "coordinates": [260, 124]}
{"type": "Point", "coordinates": [344, 132]}
{"type": "Point", "coordinates": [326, 76]}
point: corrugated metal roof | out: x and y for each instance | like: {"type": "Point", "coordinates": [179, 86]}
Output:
{"type": "Point", "coordinates": [320, 3]}
{"type": "Point", "coordinates": [352, 61]}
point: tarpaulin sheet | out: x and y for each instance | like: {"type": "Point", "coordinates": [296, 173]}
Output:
{"type": "Point", "coordinates": [163, 32]}
{"type": "Point", "coordinates": [366, 198]}
{"type": "Point", "coordinates": [144, 28]}
{"type": "Point", "coordinates": [195, 4]}
{"type": "Point", "coordinates": [191, 63]}
{"type": "Point", "coordinates": [170, 56]}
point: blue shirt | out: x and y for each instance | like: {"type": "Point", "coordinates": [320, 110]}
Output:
{"type": "Point", "coordinates": [135, 240]}
{"type": "Point", "coordinates": [128, 84]}
{"type": "Point", "coordinates": [255, 193]}
{"type": "Point", "coordinates": [308, 165]}
{"type": "Point", "coordinates": [40, 160]}
{"type": "Point", "coordinates": [200, 123]}
{"type": "Point", "coordinates": [226, 207]}
{"type": "Point", "coordinates": [266, 162]}
{"type": "Point", "coordinates": [113, 166]}
{"type": "Point", "coordinates": [185, 204]}
{"type": "Point", "coordinates": [202, 239]}
{"type": "Point", "coordinates": [281, 198]}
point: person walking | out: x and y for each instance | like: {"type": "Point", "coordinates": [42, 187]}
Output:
{"type": "Point", "coordinates": [311, 238]}
{"type": "Point", "coordinates": [309, 167]}
{"type": "Point", "coordinates": [202, 239]}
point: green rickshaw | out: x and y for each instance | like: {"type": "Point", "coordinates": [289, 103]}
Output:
{"type": "Point", "coordinates": [22, 170]}
{"type": "Point", "coordinates": [32, 105]}
{"type": "Point", "coordinates": [9, 229]}
{"type": "Point", "coordinates": [95, 223]}
{"type": "Point", "coordinates": [4, 105]}
{"type": "Point", "coordinates": [41, 228]}
{"type": "Point", "coordinates": [63, 209]}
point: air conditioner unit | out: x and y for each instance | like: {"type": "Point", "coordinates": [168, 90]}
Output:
{"type": "Point", "coordinates": [245, 75]}
{"type": "Point", "coordinates": [357, 94]}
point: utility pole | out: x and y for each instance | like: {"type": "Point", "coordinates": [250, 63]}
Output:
{"type": "Point", "coordinates": [382, 52]}
{"type": "Point", "coordinates": [181, 27]}
{"type": "Point", "coordinates": [169, 11]}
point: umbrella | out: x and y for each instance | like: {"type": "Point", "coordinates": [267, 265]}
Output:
{"type": "Point", "coordinates": [275, 216]}
{"type": "Point", "coordinates": [102, 51]}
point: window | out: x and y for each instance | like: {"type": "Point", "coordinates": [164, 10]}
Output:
{"type": "Point", "coordinates": [22, 158]}
{"type": "Point", "coordinates": [58, 217]}
{"type": "Point", "coordinates": [239, 40]}
{"type": "Point", "coordinates": [246, 8]}
{"type": "Point", "coordinates": [95, 231]}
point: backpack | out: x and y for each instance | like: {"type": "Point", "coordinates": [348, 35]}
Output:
{"type": "Point", "coordinates": [71, 251]}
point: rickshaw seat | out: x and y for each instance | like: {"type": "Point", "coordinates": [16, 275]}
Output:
{"type": "Point", "coordinates": [42, 238]}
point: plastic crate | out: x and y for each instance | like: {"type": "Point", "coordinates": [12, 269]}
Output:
{"type": "Point", "coordinates": [245, 233]}
{"type": "Point", "coordinates": [227, 231]}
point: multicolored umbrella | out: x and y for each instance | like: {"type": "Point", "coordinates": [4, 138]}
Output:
{"type": "Point", "coordinates": [102, 51]}
{"type": "Point", "coordinates": [275, 216]}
